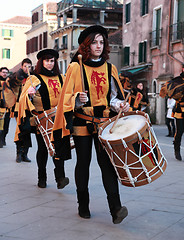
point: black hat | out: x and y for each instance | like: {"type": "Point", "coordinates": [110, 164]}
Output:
{"type": "Point", "coordinates": [92, 29]}
{"type": "Point", "coordinates": [48, 51]}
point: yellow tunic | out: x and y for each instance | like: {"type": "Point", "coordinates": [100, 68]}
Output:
{"type": "Point", "coordinates": [73, 85]}
{"type": "Point", "coordinates": [54, 89]}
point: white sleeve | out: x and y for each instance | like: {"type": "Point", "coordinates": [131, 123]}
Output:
{"type": "Point", "coordinates": [114, 101]}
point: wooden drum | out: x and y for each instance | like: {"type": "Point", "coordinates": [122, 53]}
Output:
{"type": "Point", "coordinates": [133, 149]}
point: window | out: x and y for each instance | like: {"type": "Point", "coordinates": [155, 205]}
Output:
{"type": "Point", "coordinates": [45, 39]}
{"type": "Point", "coordinates": [156, 33]}
{"type": "Point", "coordinates": [6, 53]}
{"type": "Point", "coordinates": [65, 42]}
{"type": "Point", "coordinates": [75, 35]}
{"type": "Point", "coordinates": [7, 33]}
{"type": "Point", "coordinates": [126, 56]}
{"type": "Point", "coordinates": [63, 66]}
{"type": "Point", "coordinates": [142, 51]}
{"type": "Point", "coordinates": [144, 7]}
{"type": "Point", "coordinates": [35, 17]}
{"type": "Point", "coordinates": [180, 20]}
{"type": "Point", "coordinates": [127, 12]}
{"type": "Point", "coordinates": [56, 43]}
{"type": "Point", "coordinates": [40, 42]}
{"type": "Point", "coordinates": [41, 15]}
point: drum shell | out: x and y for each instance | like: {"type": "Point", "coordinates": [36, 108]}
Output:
{"type": "Point", "coordinates": [44, 122]}
{"type": "Point", "coordinates": [2, 115]}
{"type": "Point", "coordinates": [122, 155]}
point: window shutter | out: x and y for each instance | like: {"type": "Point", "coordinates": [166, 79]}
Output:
{"type": "Point", "coordinates": [140, 52]}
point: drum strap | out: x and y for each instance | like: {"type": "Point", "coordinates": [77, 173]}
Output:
{"type": "Point", "coordinates": [90, 118]}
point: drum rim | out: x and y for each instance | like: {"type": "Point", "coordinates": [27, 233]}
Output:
{"type": "Point", "coordinates": [129, 138]}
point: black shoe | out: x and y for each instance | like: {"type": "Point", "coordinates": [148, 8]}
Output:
{"type": "Point", "coordinates": [62, 182]}
{"type": "Point", "coordinates": [120, 215]}
{"type": "Point", "coordinates": [169, 135]}
{"type": "Point", "coordinates": [1, 145]}
{"type": "Point", "coordinates": [178, 155]}
{"type": "Point", "coordinates": [26, 159]}
{"type": "Point", "coordinates": [42, 184]}
{"type": "Point", "coordinates": [84, 212]}
{"type": "Point", "coordinates": [19, 158]}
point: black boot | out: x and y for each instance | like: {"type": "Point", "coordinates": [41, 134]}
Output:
{"type": "Point", "coordinates": [19, 150]}
{"type": "Point", "coordinates": [59, 173]}
{"type": "Point", "coordinates": [1, 138]}
{"type": "Point", "coordinates": [169, 134]}
{"type": "Point", "coordinates": [83, 201]}
{"type": "Point", "coordinates": [118, 212]}
{"type": "Point", "coordinates": [177, 151]}
{"type": "Point", "coordinates": [24, 155]}
{"type": "Point", "coordinates": [42, 178]}
{"type": "Point", "coordinates": [4, 138]}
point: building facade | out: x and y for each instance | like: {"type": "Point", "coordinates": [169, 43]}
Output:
{"type": "Point", "coordinates": [13, 41]}
{"type": "Point", "coordinates": [153, 46]}
{"type": "Point", "coordinates": [74, 16]}
{"type": "Point", "coordinates": [44, 21]}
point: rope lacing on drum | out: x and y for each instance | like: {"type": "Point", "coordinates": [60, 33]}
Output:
{"type": "Point", "coordinates": [152, 147]}
{"type": "Point", "coordinates": [140, 158]}
{"type": "Point", "coordinates": [45, 132]}
{"type": "Point", "coordinates": [125, 166]}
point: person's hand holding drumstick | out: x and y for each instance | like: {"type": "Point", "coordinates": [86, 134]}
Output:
{"type": "Point", "coordinates": [83, 97]}
{"type": "Point", "coordinates": [31, 90]}
{"type": "Point", "coordinates": [124, 107]}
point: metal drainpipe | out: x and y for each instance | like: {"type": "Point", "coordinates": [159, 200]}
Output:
{"type": "Point", "coordinates": [168, 36]}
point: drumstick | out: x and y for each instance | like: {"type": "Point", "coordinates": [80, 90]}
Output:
{"type": "Point", "coordinates": [81, 71]}
{"type": "Point", "coordinates": [121, 109]}
{"type": "Point", "coordinates": [30, 76]}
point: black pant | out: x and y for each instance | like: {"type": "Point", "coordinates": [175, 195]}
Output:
{"type": "Point", "coordinates": [6, 123]}
{"type": "Point", "coordinates": [83, 145]}
{"type": "Point", "coordinates": [179, 131]}
{"type": "Point", "coordinates": [171, 126]}
{"type": "Point", "coordinates": [42, 157]}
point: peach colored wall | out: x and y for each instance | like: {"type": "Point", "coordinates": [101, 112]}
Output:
{"type": "Point", "coordinates": [17, 44]}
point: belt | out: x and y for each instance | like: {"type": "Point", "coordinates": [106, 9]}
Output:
{"type": "Point", "coordinates": [90, 118]}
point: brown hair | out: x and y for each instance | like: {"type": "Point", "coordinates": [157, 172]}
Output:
{"type": "Point", "coordinates": [85, 51]}
{"type": "Point", "coordinates": [39, 65]}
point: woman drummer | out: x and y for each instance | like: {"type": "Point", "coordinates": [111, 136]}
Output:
{"type": "Point", "coordinates": [41, 93]}
{"type": "Point", "coordinates": [101, 99]}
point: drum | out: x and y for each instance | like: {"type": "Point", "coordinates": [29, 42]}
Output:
{"type": "Point", "coordinates": [45, 122]}
{"type": "Point", "coordinates": [133, 149]}
{"type": "Point", "coordinates": [2, 115]}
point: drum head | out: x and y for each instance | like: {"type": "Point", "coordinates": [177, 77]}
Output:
{"type": "Point", "coordinates": [125, 127]}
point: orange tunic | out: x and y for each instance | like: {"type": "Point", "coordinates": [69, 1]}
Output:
{"type": "Point", "coordinates": [73, 85]}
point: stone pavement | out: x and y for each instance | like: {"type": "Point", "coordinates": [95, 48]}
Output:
{"type": "Point", "coordinates": [156, 210]}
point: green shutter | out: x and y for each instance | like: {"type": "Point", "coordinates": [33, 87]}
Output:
{"type": "Point", "coordinates": [180, 10]}
{"type": "Point", "coordinates": [3, 53]}
{"type": "Point", "coordinates": [140, 52]}
{"type": "Point", "coordinates": [145, 50]}
{"type": "Point", "coordinates": [180, 25]}
{"type": "Point", "coordinates": [6, 53]}
{"type": "Point", "coordinates": [127, 12]}
{"type": "Point", "coordinates": [11, 33]}
{"type": "Point", "coordinates": [158, 18]}
{"type": "Point", "coordinates": [126, 55]}
{"type": "Point", "coordinates": [143, 7]}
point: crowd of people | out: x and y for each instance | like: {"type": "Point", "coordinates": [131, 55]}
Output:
{"type": "Point", "coordinates": [80, 104]}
